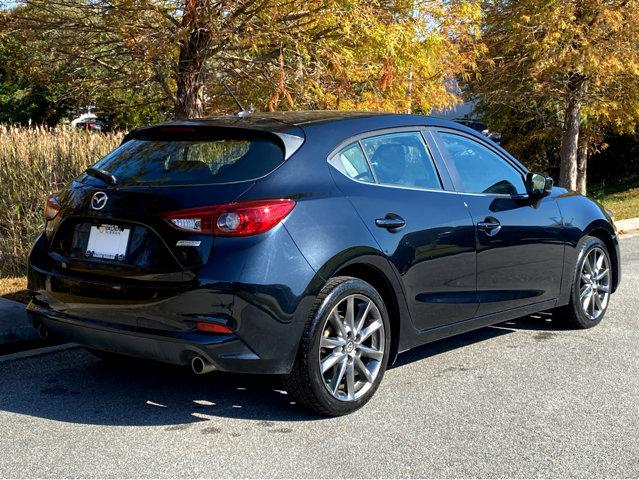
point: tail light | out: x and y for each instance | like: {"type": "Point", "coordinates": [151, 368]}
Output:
{"type": "Point", "coordinates": [51, 208]}
{"type": "Point", "coordinates": [233, 219]}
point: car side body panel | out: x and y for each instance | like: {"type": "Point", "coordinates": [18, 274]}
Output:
{"type": "Point", "coordinates": [434, 252]}
{"type": "Point", "coordinates": [519, 262]}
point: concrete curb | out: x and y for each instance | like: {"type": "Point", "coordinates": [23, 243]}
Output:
{"type": "Point", "coordinates": [14, 323]}
{"type": "Point", "coordinates": [629, 225]}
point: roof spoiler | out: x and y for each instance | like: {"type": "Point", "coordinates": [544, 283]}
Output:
{"type": "Point", "coordinates": [290, 142]}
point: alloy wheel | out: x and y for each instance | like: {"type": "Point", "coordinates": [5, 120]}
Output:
{"type": "Point", "coordinates": [594, 284]}
{"type": "Point", "coordinates": [351, 347]}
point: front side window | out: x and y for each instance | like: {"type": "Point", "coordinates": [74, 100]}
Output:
{"type": "Point", "coordinates": [402, 159]}
{"type": "Point", "coordinates": [480, 170]}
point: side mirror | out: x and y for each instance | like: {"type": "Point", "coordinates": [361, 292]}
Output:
{"type": "Point", "coordinates": [538, 185]}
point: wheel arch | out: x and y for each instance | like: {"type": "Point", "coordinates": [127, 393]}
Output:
{"type": "Point", "coordinates": [581, 217]}
{"type": "Point", "coordinates": [604, 233]}
{"type": "Point", "coordinates": [376, 270]}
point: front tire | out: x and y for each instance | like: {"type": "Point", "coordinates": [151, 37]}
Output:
{"type": "Point", "coordinates": [344, 349]}
{"type": "Point", "coordinates": [592, 284]}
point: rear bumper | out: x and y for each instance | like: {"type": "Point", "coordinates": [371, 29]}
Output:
{"type": "Point", "coordinates": [225, 352]}
{"type": "Point", "coordinates": [261, 287]}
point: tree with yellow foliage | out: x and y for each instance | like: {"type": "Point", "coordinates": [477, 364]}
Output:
{"type": "Point", "coordinates": [573, 64]}
{"type": "Point", "coordinates": [394, 55]}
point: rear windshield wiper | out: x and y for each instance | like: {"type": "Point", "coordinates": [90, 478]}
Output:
{"type": "Point", "coordinates": [102, 175]}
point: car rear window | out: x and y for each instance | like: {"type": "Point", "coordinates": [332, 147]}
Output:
{"type": "Point", "coordinates": [153, 162]}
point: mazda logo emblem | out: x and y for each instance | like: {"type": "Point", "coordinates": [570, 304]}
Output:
{"type": "Point", "coordinates": [99, 200]}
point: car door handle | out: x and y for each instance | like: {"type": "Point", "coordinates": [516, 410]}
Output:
{"type": "Point", "coordinates": [490, 225]}
{"type": "Point", "coordinates": [390, 222]}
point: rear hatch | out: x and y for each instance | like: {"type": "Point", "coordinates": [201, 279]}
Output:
{"type": "Point", "coordinates": [113, 233]}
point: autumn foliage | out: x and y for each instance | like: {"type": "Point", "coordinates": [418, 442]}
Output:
{"type": "Point", "coordinates": [555, 76]}
{"type": "Point", "coordinates": [276, 54]}
{"type": "Point", "coordinates": [564, 70]}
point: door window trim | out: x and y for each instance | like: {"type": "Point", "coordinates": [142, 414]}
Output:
{"type": "Point", "coordinates": [368, 162]}
{"type": "Point", "coordinates": [454, 174]}
{"type": "Point", "coordinates": [444, 181]}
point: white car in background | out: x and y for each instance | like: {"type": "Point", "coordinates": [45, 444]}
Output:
{"type": "Point", "coordinates": [88, 121]}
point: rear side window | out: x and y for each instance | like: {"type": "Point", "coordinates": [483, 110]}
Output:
{"type": "Point", "coordinates": [402, 159]}
{"type": "Point", "coordinates": [192, 162]}
{"type": "Point", "coordinates": [352, 163]}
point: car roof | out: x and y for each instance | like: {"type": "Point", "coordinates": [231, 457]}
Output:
{"type": "Point", "coordinates": [286, 121]}
{"type": "Point", "coordinates": [330, 122]}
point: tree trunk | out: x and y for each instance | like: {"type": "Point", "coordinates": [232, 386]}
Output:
{"type": "Point", "coordinates": [189, 95]}
{"type": "Point", "coordinates": [570, 134]}
{"type": "Point", "coordinates": [189, 102]}
{"type": "Point", "coordinates": [569, 142]}
{"type": "Point", "coordinates": [582, 163]}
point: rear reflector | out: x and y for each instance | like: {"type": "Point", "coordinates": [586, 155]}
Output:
{"type": "Point", "coordinates": [212, 328]}
{"type": "Point", "coordinates": [240, 219]}
{"type": "Point", "coordinates": [51, 208]}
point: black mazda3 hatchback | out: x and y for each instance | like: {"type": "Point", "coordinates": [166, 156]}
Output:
{"type": "Point", "coordinates": [315, 245]}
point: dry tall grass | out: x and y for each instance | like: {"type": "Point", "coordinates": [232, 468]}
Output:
{"type": "Point", "coordinates": [33, 163]}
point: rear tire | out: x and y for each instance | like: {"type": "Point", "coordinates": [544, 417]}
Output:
{"type": "Point", "coordinates": [344, 349]}
{"type": "Point", "coordinates": [591, 286]}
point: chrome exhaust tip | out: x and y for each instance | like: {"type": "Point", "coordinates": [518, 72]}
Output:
{"type": "Point", "coordinates": [200, 366]}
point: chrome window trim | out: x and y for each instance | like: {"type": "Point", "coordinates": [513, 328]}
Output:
{"type": "Point", "coordinates": [419, 129]}
{"type": "Point", "coordinates": [374, 133]}
{"type": "Point", "coordinates": [368, 162]}
{"type": "Point", "coordinates": [292, 143]}
{"type": "Point", "coordinates": [517, 168]}
{"type": "Point", "coordinates": [482, 141]}
{"type": "Point", "coordinates": [390, 185]}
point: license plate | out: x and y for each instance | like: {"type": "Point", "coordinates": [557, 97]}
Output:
{"type": "Point", "coordinates": [108, 242]}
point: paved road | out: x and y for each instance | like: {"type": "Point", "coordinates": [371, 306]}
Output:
{"type": "Point", "coordinates": [14, 323]}
{"type": "Point", "coordinates": [524, 399]}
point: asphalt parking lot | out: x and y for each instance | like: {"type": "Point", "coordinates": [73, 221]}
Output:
{"type": "Point", "coordinates": [522, 399]}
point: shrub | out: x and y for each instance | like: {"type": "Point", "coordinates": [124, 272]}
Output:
{"type": "Point", "coordinates": [35, 162]}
